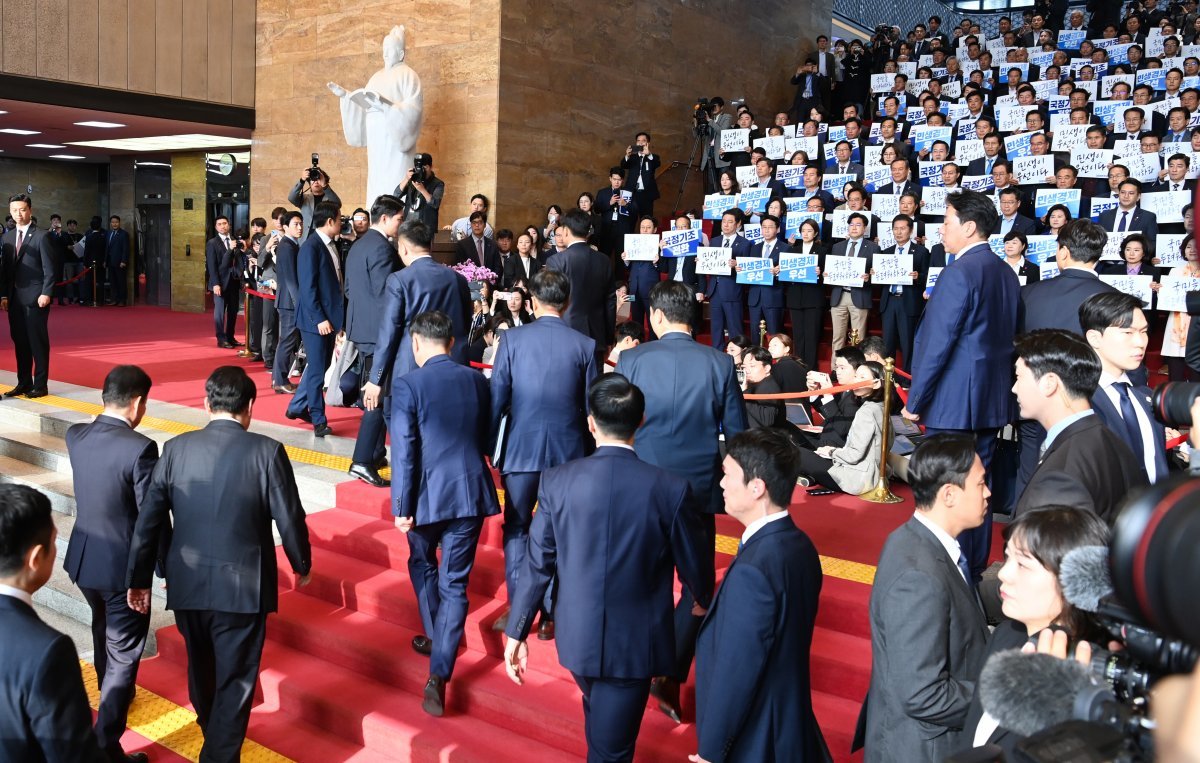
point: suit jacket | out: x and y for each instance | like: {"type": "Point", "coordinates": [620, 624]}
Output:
{"type": "Point", "coordinates": [29, 273]}
{"type": "Point", "coordinates": [1054, 303]}
{"type": "Point", "coordinates": [908, 187]}
{"type": "Point", "coordinates": [318, 290]}
{"type": "Point", "coordinates": [636, 166]}
{"type": "Point", "coordinates": [1021, 223]}
{"type": "Point", "coordinates": [928, 639]}
{"type": "Point", "coordinates": [726, 288]}
{"type": "Point", "coordinates": [668, 266]}
{"type": "Point", "coordinates": [116, 248]}
{"type": "Point", "coordinates": [514, 269]}
{"type": "Point", "coordinates": [692, 395]}
{"type": "Point", "coordinates": [979, 166]}
{"type": "Point", "coordinates": [424, 285]}
{"type": "Point", "coordinates": [286, 285]}
{"type": "Point", "coordinates": [303, 200]}
{"type": "Point", "coordinates": [855, 465]}
{"type": "Point", "coordinates": [465, 251]}
{"type": "Point", "coordinates": [614, 528]}
{"type": "Point", "coordinates": [838, 414]}
{"type": "Point", "coordinates": [1111, 416]}
{"type": "Point", "coordinates": [762, 620]}
{"type": "Point", "coordinates": [853, 168]}
{"type": "Point", "coordinates": [772, 296]}
{"type": "Point", "coordinates": [438, 471]}
{"type": "Point", "coordinates": [860, 296]}
{"type": "Point", "coordinates": [44, 713]}
{"type": "Point", "coordinates": [371, 260]}
{"type": "Point", "coordinates": [111, 465]}
{"type": "Point", "coordinates": [1086, 466]}
{"type": "Point", "coordinates": [962, 354]}
{"type": "Point", "coordinates": [722, 121]}
{"type": "Point", "coordinates": [93, 248]}
{"type": "Point", "coordinates": [910, 298]}
{"type": "Point", "coordinates": [1009, 634]}
{"type": "Point", "coordinates": [802, 295]}
{"type": "Point", "coordinates": [547, 410]}
{"type": "Point", "coordinates": [593, 307]}
{"type": "Point", "coordinates": [1141, 221]}
{"type": "Point", "coordinates": [222, 264]}
{"type": "Point", "coordinates": [221, 487]}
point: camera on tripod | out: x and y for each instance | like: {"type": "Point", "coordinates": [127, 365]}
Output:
{"type": "Point", "coordinates": [314, 172]}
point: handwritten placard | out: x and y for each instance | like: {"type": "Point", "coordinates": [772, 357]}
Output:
{"type": "Point", "coordinates": [1167, 206]}
{"type": "Point", "coordinates": [747, 175]}
{"type": "Point", "coordinates": [1135, 286]}
{"type": "Point", "coordinates": [712, 261]}
{"type": "Point", "coordinates": [1046, 198]}
{"type": "Point", "coordinates": [680, 243]}
{"type": "Point", "coordinates": [807, 144]}
{"type": "Point", "coordinates": [641, 247]}
{"type": "Point", "coordinates": [1031, 170]}
{"type": "Point", "coordinates": [1108, 83]}
{"type": "Point", "coordinates": [1012, 118]}
{"type": "Point", "coordinates": [755, 271]}
{"type": "Point", "coordinates": [798, 268]}
{"type": "Point", "coordinates": [1092, 162]}
{"type": "Point", "coordinates": [968, 151]}
{"type": "Point", "coordinates": [1126, 146]}
{"type": "Point", "coordinates": [933, 202]}
{"type": "Point", "coordinates": [1172, 297]}
{"type": "Point", "coordinates": [885, 206]}
{"type": "Point", "coordinates": [735, 140]}
{"type": "Point", "coordinates": [1168, 249]}
{"type": "Point", "coordinates": [893, 270]}
{"type": "Point", "coordinates": [882, 83]}
{"type": "Point", "coordinates": [844, 271]}
{"type": "Point", "coordinates": [1112, 248]}
{"type": "Point", "coordinates": [774, 146]}
{"type": "Point", "coordinates": [1069, 138]}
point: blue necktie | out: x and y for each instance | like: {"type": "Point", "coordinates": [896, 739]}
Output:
{"type": "Point", "coordinates": [1124, 220]}
{"type": "Point", "coordinates": [1133, 430]}
{"type": "Point", "coordinates": [964, 569]}
{"type": "Point", "coordinates": [950, 258]}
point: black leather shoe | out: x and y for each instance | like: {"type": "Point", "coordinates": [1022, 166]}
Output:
{"type": "Point", "coordinates": [17, 391]}
{"type": "Point", "coordinates": [304, 416]}
{"type": "Point", "coordinates": [368, 475]}
{"type": "Point", "coordinates": [434, 700]}
{"type": "Point", "coordinates": [422, 645]}
{"type": "Point", "coordinates": [284, 389]}
{"type": "Point", "coordinates": [322, 430]}
{"type": "Point", "coordinates": [236, 343]}
{"type": "Point", "coordinates": [36, 393]}
{"type": "Point", "coordinates": [546, 630]}
{"type": "Point", "coordinates": [666, 691]}
{"type": "Point", "coordinates": [256, 358]}
{"type": "Point", "coordinates": [225, 345]}
{"type": "Point", "coordinates": [383, 462]}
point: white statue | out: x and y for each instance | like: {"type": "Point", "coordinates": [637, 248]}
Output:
{"type": "Point", "coordinates": [385, 116]}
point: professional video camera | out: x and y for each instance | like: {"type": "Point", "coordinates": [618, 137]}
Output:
{"type": "Point", "coordinates": [314, 172]}
{"type": "Point", "coordinates": [1141, 588]}
{"type": "Point", "coordinates": [701, 117]}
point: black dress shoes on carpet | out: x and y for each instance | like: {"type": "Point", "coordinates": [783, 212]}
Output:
{"type": "Point", "coordinates": [422, 645]}
{"type": "Point", "coordinates": [225, 345]}
{"type": "Point", "coordinates": [546, 629]}
{"type": "Point", "coordinates": [666, 691]}
{"type": "Point", "coordinates": [434, 699]}
{"type": "Point", "coordinates": [369, 475]}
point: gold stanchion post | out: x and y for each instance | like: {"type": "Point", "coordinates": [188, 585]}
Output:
{"type": "Point", "coordinates": [245, 352]}
{"type": "Point", "coordinates": [762, 333]}
{"type": "Point", "coordinates": [882, 493]}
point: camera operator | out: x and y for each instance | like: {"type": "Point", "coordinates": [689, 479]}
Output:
{"type": "Point", "coordinates": [422, 192]}
{"type": "Point", "coordinates": [639, 167]}
{"type": "Point", "coordinates": [318, 190]}
{"type": "Point", "coordinates": [708, 126]}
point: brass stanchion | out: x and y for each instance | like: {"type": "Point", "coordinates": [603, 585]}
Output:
{"type": "Point", "coordinates": [245, 352]}
{"type": "Point", "coordinates": [853, 339]}
{"type": "Point", "coordinates": [762, 333]}
{"type": "Point", "coordinates": [882, 493]}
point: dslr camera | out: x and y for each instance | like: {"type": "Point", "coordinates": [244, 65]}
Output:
{"type": "Point", "coordinates": [421, 173]}
{"type": "Point", "coordinates": [314, 172]}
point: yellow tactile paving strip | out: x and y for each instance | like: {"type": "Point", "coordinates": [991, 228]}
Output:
{"type": "Point", "coordinates": [855, 572]}
{"type": "Point", "coordinates": [168, 725]}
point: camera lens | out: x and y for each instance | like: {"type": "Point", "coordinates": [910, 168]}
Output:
{"type": "Point", "coordinates": [1173, 403]}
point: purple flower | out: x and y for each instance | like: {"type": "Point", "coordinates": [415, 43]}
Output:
{"type": "Point", "coordinates": [472, 272]}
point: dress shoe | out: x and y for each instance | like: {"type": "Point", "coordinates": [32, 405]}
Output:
{"type": "Point", "coordinates": [666, 691]}
{"type": "Point", "coordinates": [256, 357]}
{"type": "Point", "coordinates": [381, 463]}
{"type": "Point", "coordinates": [225, 345]}
{"type": "Point", "coordinates": [422, 645]}
{"type": "Point", "coordinates": [236, 343]}
{"type": "Point", "coordinates": [434, 700]}
{"type": "Point", "coordinates": [284, 389]}
{"type": "Point", "coordinates": [17, 391]}
{"type": "Point", "coordinates": [36, 393]}
{"type": "Point", "coordinates": [368, 475]}
{"type": "Point", "coordinates": [501, 623]}
{"type": "Point", "coordinates": [304, 416]}
{"type": "Point", "coordinates": [546, 630]}
{"type": "Point", "coordinates": [322, 430]}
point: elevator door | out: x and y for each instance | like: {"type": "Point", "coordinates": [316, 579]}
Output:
{"type": "Point", "coordinates": [154, 243]}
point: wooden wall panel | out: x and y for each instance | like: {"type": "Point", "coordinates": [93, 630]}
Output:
{"type": "Point", "coordinates": [82, 50]}
{"type": "Point", "coordinates": [20, 40]}
{"type": "Point", "coordinates": [52, 39]}
{"type": "Point", "coordinates": [168, 47]}
{"type": "Point", "coordinates": [114, 44]}
{"type": "Point", "coordinates": [244, 23]}
{"type": "Point", "coordinates": [142, 23]}
{"type": "Point", "coordinates": [220, 50]}
{"type": "Point", "coordinates": [195, 50]}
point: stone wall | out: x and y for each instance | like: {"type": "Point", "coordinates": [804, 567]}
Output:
{"type": "Point", "coordinates": [72, 190]}
{"type": "Point", "coordinates": [188, 181]}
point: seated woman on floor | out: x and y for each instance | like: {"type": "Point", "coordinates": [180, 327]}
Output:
{"type": "Point", "coordinates": [854, 467]}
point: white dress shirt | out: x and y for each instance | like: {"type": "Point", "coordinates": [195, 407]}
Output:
{"type": "Point", "coordinates": [948, 543]}
{"type": "Point", "coordinates": [1106, 386]}
{"type": "Point", "coordinates": [760, 523]}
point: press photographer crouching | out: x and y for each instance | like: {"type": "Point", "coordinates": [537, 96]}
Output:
{"type": "Point", "coordinates": [422, 192]}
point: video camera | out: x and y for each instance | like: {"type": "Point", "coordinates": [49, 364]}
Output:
{"type": "Point", "coordinates": [314, 172]}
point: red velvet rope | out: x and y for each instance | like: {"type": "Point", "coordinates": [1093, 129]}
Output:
{"type": "Point", "coordinates": [73, 279]}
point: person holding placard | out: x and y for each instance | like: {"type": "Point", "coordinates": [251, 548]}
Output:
{"type": "Point", "coordinates": [901, 180]}
{"type": "Point", "coordinates": [1056, 217]}
{"type": "Point", "coordinates": [619, 212]}
{"type": "Point", "coordinates": [767, 302]}
{"type": "Point", "coordinates": [1128, 216]}
{"type": "Point", "coordinates": [850, 306]}
{"type": "Point", "coordinates": [842, 163]}
{"type": "Point", "coordinates": [724, 293]}
{"type": "Point", "coordinates": [1010, 214]}
{"type": "Point", "coordinates": [643, 274]}
{"type": "Point", "coordinates": [900, 305]}
{"type": "Point", "coordinates": [1174, 344]}
{"type": "Point", "coordinates": [737, 157]}
{"type": "Point", "coordinates": [806, 301]}
{"type": "Point", "coordinates": [1174, 177]}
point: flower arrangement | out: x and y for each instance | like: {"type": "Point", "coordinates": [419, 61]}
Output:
{"type": "Point", "coordinates": [472, 272]}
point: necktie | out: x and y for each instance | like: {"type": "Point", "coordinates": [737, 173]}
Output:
{"type": "Point", "coordinates": [1124, 220]}
{"type": "Point", "coordinates": [852, 249]}
{"type": "Point", "coordinates": [20, 240]}
{"type": "Point", "coordinates": [897, 288]}
{"type": "Point", "coordinates": [728, 242]}
{"type": "Point", "coordinates": [1133, 430]}
{"type": "Point", "coordinates": [808, 86]}
{"type": "Point", "coordinates": [950, 258]}
{"type": "Point", "coordinates": [963, 568]}
{"type": "Point", "coordinates": [337, 266]}
{"type": "Point", "coordinates": [1175, 187]}
{"type": "Point", "coordinates": [479, 250]}
{"type": "Point", "coordinates": [990, 162]}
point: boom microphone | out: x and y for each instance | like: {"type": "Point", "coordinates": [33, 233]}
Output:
{"type": "Point", "coordinates": [1084, 577]}
{"type": "Point", "coordinates": [1026, 693]}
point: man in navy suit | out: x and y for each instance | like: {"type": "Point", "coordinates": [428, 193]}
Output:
{"type": "Point", "coordinates": [684, 421]}
{"type": "Point", "coordinates": [1115, 325]}
{"type": "Point", "coordinates": [285, 301]}
{"type": "Point", "coordinates": [1010, 218]}
{"type": "Point", "coordinates": [814, 175]}
{"type": "Point", "coordinates": [593, 307]}
{"type": "Point", "coordinates": [320, 312]}
{"type": "Point", "coordinates": [477, 247]}
{"type": "Point", "coordinates": [614, 529]}
{"type": "Point", "coordinates": [116, 259]}
{"type": "Point", "coordinates": [371, 260]}
{"type": "Point", "coordinates": [643, 274]}
{"type": "Point", "coordinates": [639, 167]}
{"type": "Point", "coordinates": [441, 488]}
{"type": "Point", "coordinates": [963, 350]}
{"type": "Point", "coordinates": [753, 694]}
{"type": "Point", "coordinates": [767, 301]}
{"type": "Point", "coordinates": [1127, 216]}
{"type": "Point", "coordinates": [547, 413]}
{"type": "Point", "coordinates": [111, 466]}
{"type": "Point", "coordinates": [27, 271]}
{"type": "Point", "coordinates": [44, 713]}
{"type": "Point", "coordinates": [850, 306]}
{"type": "Point", "coordinates": [900, 306]}
{"type": "Point", "coordinates": [724, 293]}
{"type": "Point", "coordinates": [901, 180]}
{"type": "Point", "coordinates": [224, 280]}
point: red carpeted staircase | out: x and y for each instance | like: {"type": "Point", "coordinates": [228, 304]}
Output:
{"type": "Point", "coordinates": [341, 682]}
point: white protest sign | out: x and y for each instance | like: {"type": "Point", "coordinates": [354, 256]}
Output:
{"type": "Point", "coordinates": [1172, 297]}
{"type": "Point", "coordinates": [885, 206]}
{"type": "Point", "coordinates": [1126, 147]}
{"type": "Point", "coordinates": [1112, 249]}
{"type": "Point", "coordinates": [1168, 249]}
{"type": "Point", "coordinates": [806, 144]}
{"type": "Point", "coordinates": [1167, 206]}
{"type": "Point", "coordinates": [1012, 118]}
{"type": "Point", "coordinates": [1107, 84]}
{"type": "Point", "coordinates": [735, 140]}
{"type": "Point", "coordinates": [882, 83]}
{"type": "Point", "coordinates": [872, 156]}
{"type": "Point", "coordinates": [712, 261]}
{"type": "Point", "coordinates": [1135, 286]}
{"type": "Point", "coordinates": [774, 146]}
{"type": "Point", "coordinates": [844, 271]}
{"type": "Point", "coordinates": [641, 247]}
{"type": "Point", "coordinates": [968, 151]}
{"type": "Point", "coordinates": [841, 222]}
{"type": "Point", "coordinates": [892, 270]}
{"type": "Point", "coordinates": [1069, 138]}
{"type": "Point", "coordinates": [745, 175]}
{"type": "Point", "coordinates": [1092, 162]}
{"type": "Point", "coordinates": [1031, 170]}
{"type": "Point", "coordinates": [933, 202]}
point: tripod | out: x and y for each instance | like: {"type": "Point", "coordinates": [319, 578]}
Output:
{"type": "Point", "coordinates": [702, 131]}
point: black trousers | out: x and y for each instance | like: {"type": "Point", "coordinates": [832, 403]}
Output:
{"type": "Point", "coordinates": [120, 283]}
{"type": "Point", "coordinates": [816, 467]}
{"type": "Point", "coordinates": [254, 323]}
{"type": "Point", "coordinates": [29, 327]}
{"type": "Point", "coordinates": [368, 448]}
{"type": "Point", "coordinates": [612, 716]}
{"type": "Point", "coordinates": [224, 651]}
{"type": "Point", "coordinates": [898, 332]}
{"type": "Point", "coordinates": [285, 351]}
{"type": "Point", "coordinates": [225, 311]}
{"type": "Point", "coordinates": [806, 333]}
{"type": "Point", "coordinates": [118, 640]}
{"type": "Point", "coordinates": [687, 625]}
{"type": "Point", "coordinates": [270, 332]}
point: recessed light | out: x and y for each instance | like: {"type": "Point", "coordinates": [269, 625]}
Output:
{"type": "Point", "coordinates": [13, 131]}
{"type": "Point", "coordinates": [65, 156]}
{"type": "Point", "coordinates": [163, 143]}
{"type": "Point", "coordinates": [95, 124]}
{"type": "Point", "coordinates": [42, 145]}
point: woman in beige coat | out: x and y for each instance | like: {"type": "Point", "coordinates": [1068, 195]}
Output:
{"type": "Point", "coordinates": [854, 467]}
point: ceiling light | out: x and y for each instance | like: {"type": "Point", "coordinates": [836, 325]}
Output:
{"type": "Point", "coordinates": [12, 131]}
{"type": "Point", "coordinates": [95, 124]}
{"type": "Point", "coordinates": [42, 145]}
{"type": "Point", "coordinates": [152, 164]}
{"type": "Point", "coordinates": [163, 143]}
{"type": "Point", "coordinates": [66, 156]}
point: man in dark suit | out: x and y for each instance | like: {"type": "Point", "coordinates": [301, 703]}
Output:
{"type": "Point", "coordinates": [900, 306]}
{"type": "Point", "coordinates": [901, 181]}
{"type": "Point", "coordinates": [116, 260]}
{"type": "Point", "coordinates": [478, 248]}
{"type": "Point", "coordinates": [320, 313]}
{"type": "Point", "coordinates": [619, 213]}
{"type": "Point", "coordinates": [27, 270]}
{"type": "Point", "coordinates": [1115, 325]}
{"type": "Point", "coordinates": [811, 89]}
{"type": "Point", "coordinates": [681, 436]}
{"type": "Point", "coordinates": [961, 353]}
{"type": "Point", "coordinates": [372, 259]}
{"type": "Point", "coordinates": [1083, 463]}
{"type": "Point", "coordinates": [285, 301]}
{"type": "Point", "coordinates": [850, 306]}
{"type": "Point", "coordinates": [111, 466]}
{"type": "Point", "coordinates": [993, 153]}
{"type": "Point", "coordinates": [928, 631]}
{"type": "Point", "coordinates": [214, 493]}
{"type": "Point", "coordinates": [547, 414]}
{"type": "Point", "coordinates": [224, 280]}
{"type": "Point", "coordinates": [593, 306]}
{"type": "Point", "coordinates": [1127, 216]}
{"type": "Point", "coordinates": [762, 618]}
{"type": "Point", "coordinates": [724, 293]}
{"type": "Point", "coordinates": [640, 166]}
{"type": "Point", "coordinates": [614, 608]}
{"type": "Point", "coordinates": [767, 301]}
{"type": "Point", "coordinates": [443, 489]}
{"type": "Point", "coordinates": [1010, 218]}
{"type": "Point", "coordinates": [44, 713]}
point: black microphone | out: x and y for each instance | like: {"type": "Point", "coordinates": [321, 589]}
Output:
{"type": "Point", "coordinates": [1084, 577]}
{"type": "Point", "coordinates": [1026, 693]}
